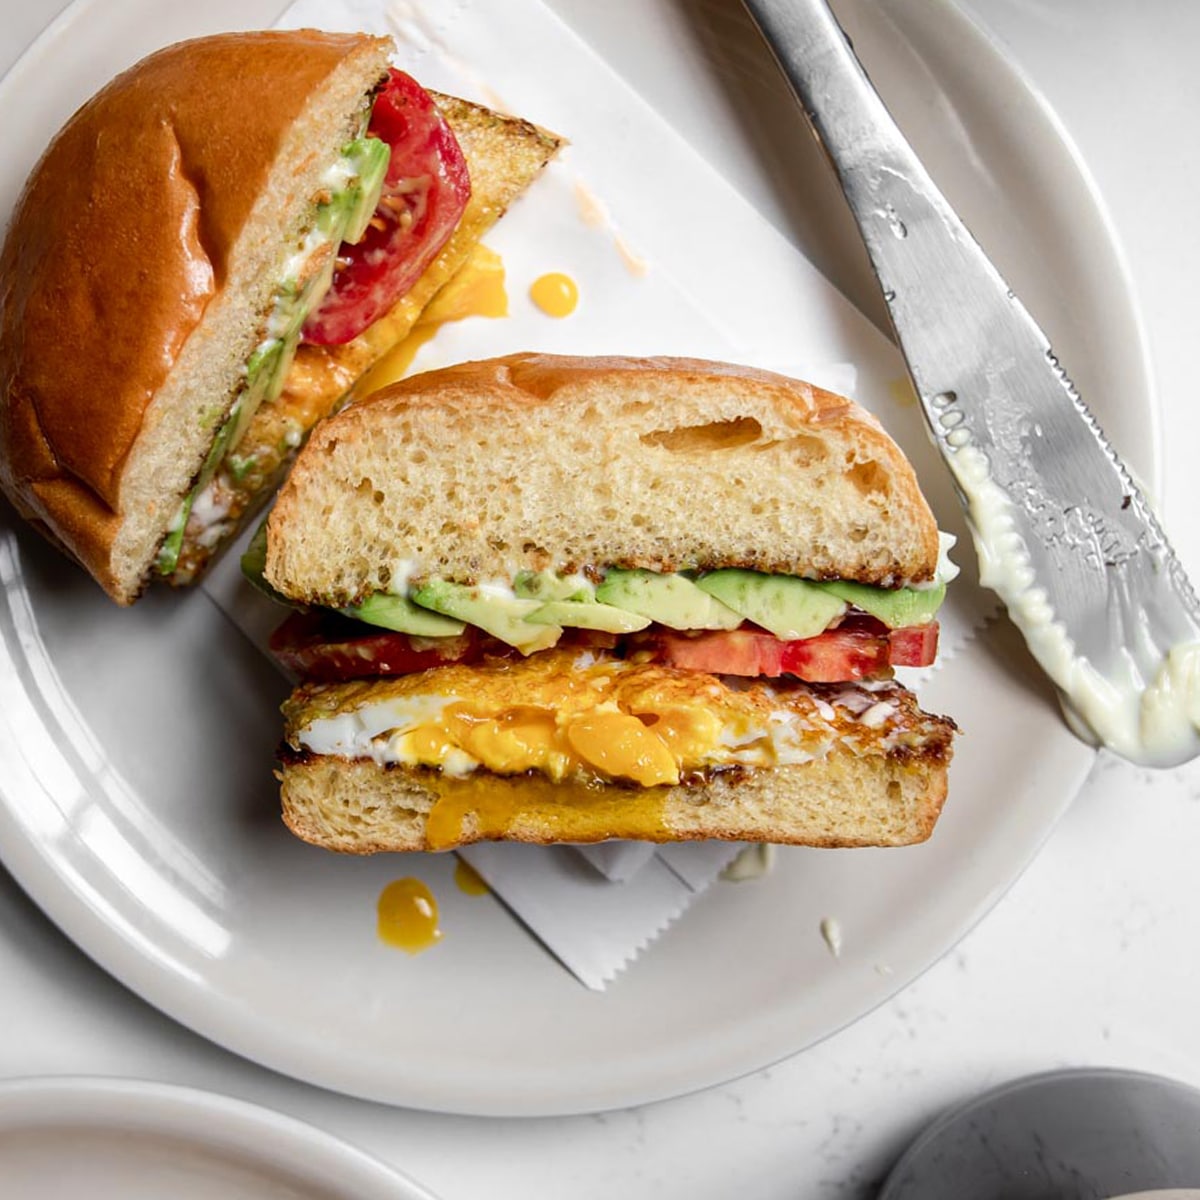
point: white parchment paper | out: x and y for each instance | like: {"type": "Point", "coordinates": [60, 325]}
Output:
{"type": "Point", "coordinates": [669, 259]}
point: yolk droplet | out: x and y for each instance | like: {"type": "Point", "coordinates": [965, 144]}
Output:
{"type": "Point", "coordinates": [408, 916]}
{"type": "Point", "coordinates": [469, 880]}
{"type": "Point", "coordinates": [555, 294]}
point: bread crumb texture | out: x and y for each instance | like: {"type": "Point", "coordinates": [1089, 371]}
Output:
{"type": "Point", "coordinates": [537, 462]}
{"type": "Point", "coordinates": [357, 807]}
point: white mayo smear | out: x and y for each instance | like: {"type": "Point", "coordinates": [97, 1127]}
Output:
{"type": "Point", "coordinates": [831, 934]}
{"type": "Point", "coordinates": [1156, 723]}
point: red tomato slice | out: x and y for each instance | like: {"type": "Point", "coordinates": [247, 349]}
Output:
{"type": "Point", "coordinates": [325, 647]}
{"type": "Point", "coordinates": [858, 649]}
{"type": "Point", "coordinates": [837, 655]}
{"type": "Point", "coordinates": [745, 652]}
{"type": "Point", "coordinates": [914, 646]}
{"type": "Point", "coordinates": [424, 194]}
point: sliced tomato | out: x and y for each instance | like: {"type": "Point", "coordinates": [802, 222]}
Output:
{"type": "Point", "coordinates": [425, 191]}
{"type": "Point", "coordinates": [745, 652]}
{"type": "Point", "coordinates": [914, 646]}
{"type": "Point", "coordinates": [860, 648]}
{"type": "Point", "coordinates": [325, 647]}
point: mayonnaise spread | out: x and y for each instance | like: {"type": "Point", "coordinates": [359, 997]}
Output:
{"type": "Point", "coordinates": [1151, 720]}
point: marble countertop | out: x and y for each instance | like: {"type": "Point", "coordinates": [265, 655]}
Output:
{"type": "Point", "coordinates": [1087, 960]}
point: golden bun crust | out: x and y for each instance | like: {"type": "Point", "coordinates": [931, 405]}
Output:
{"type": "Point", "coordinates": [534, 462]}
{"type": "Point", "coordinates": [126, 231]}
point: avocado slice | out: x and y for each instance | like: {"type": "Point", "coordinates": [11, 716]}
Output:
{"type": "Point", "coordinates": [399, 613]}
{"type": "Point", "coordinates": [896, 609]}
{"type": "Point", "coordinates": [254, 563]}
{"type": "Point", "coordinates": [369, 158]}
{"type": "Point", "coordinates": [583, 615]}
{"type": "Point", "coordinates": [344, 217]}
{"type": "Point", "coordinates": [501, 615]}
{"type": "Point", "coordinates": [547, 586]}
{"type": "Point", "coordinates": [670, 599]}
{"type": "Point", "coordinates": [788, 607]}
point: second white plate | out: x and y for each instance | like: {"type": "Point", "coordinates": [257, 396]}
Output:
{"type": "Point", "coordinates": [119, 1139]}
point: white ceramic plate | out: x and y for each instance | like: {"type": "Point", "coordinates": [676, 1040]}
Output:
{"type": "Point", "coordinates": [137, 806]}
{"type": "Point", "coordinates": [118, 1139]}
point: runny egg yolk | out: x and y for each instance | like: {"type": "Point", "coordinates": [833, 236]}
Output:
{"type": "Point", "coordinates": [489, 806]}
{"type": "Point", "coordinates": [477, 290]}
{"type": "Point", "coordinates": [648, 748]}
{"type": "Point", "coordinates": [619, 744]}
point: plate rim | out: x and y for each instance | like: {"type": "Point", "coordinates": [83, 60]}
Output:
{"type": "Point", "coordinates": [210, 1120]}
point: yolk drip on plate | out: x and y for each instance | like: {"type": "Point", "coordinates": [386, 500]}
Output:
{"type": "Point", "coordinates": [408, 916]}
{"type": "Point", "coordinates": [555, 294]}
{"type": "Point", "coordinates": [468, 880]}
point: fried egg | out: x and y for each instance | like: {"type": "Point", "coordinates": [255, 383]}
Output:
{"type": "Point", "coordinates": [566, 715]}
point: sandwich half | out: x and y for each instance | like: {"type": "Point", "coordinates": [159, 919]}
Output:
{"type": "Point", "coordinates": [556, 599]}
{"type": "Point", "coordinates": [220, 204]}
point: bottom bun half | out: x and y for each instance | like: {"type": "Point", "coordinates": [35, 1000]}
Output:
{"type": "Point", "coordinates": [843, 799]}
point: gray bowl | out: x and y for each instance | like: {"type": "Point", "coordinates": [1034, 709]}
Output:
{"type": "Point", "coordinates": [1066, 1135]}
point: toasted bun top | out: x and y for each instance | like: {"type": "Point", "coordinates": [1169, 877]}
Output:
{"type": "Point", "coordinates": [537, 462]}
{"type": "Point", "coordinates": [126, 230]}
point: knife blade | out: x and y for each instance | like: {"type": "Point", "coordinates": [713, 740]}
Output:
{"type": "Point", "coordinates": [1063, 533]}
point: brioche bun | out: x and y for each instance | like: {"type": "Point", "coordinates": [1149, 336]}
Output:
{"type": "Point", "coordinates": [545, 462]}
{"type": "Point", "coordinates": [141, 259]}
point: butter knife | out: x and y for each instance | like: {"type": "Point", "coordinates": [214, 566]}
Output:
{"type": "Point", "coordinates": [1063, 534]}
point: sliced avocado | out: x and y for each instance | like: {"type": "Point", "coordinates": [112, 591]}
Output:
{"type": "Point", "coordinates": [168, 552]}
{"type": "Point", "coordinates": [358, 200]}
{"type": "Point", "coordinates": [239, 466]}
{"type": "Point", "coordinates": [788, 607]}
{"type": "Point", "coordinates": [578, 614]}
{"type": "Point", "coordinates": [236, 424]}
{"type": "Point", "coordinates": [264, 360]}
{"type": "Point", "coordinates": [671, 600]}
{"type": "Point", "coordinates": [254, 563]}
{"type": "Point", "coordinates": [547, 586]}
{"type": "Point", "coordinates": [400, 614]}
{"type": "Point", "coordinates": [502, 616]}
{"type": "Point", "coordinates": [896, 609]}
{"type": "Point", "coordinates": [345, 218]}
